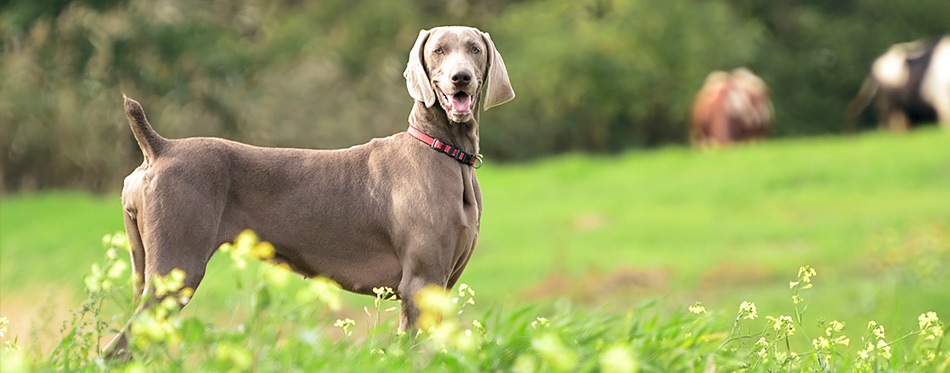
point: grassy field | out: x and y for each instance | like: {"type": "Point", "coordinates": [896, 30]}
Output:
{"type": "Point", "coordinates": [870, 213]}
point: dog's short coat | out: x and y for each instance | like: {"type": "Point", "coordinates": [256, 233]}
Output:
{"type": "Point", "coordinates": [392, 212]}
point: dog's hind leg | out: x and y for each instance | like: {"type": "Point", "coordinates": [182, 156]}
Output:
{"type": "Point", "coordinates": [137, 254]}
{"type": "Point", "coordinates": [119, 344]}
{"type": "Point", "coordinates": [169, 240]}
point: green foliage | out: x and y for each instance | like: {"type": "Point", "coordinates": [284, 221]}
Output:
{"type": "Point", "coordinates": [605, 75]}
{"type": "Point", "coordinates": [280, 333]}
{"type": "Point", "coordinates": [591, 75]}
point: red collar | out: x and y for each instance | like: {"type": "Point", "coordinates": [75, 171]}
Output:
{"type": "Point", "coordinates": [470, 159]}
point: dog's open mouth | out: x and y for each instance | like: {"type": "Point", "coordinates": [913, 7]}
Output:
{"type": "Point", "coordinates": [458, 106]}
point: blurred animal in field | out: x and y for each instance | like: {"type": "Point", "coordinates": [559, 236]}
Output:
{"type": "Point", "coordinates": [731, 107]}
{"type": "Point", "coordinates": [401, 212]}
{"type": "Point", "coordinates": [912, 83]}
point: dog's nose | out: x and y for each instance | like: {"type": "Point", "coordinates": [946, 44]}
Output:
{"type": "Point", "coordinates": [462, 77]}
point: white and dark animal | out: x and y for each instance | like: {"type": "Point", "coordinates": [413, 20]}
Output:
{"type": "Point", "coordinates": [912, 82]}
{"type": "Point", "coordinates": [402, 211]}
{"type": "Point", "coordinates": [731, 107]}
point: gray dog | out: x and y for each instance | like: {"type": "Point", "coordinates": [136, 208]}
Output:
{"type": "Point", "coordinates": [402, 211]}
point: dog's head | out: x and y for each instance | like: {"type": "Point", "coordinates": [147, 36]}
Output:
{"type": "Point", "coordinates": [451, 65]}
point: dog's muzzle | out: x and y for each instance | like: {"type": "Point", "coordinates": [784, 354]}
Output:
{"type": "Point", "coordinates": [458, 106]}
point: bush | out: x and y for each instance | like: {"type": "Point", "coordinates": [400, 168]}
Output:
{"type": "Point", "coordinates": [606, 75]}
{"type": "Point", "coordinates": [591, 75]}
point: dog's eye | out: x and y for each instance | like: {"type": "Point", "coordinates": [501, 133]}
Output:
{"type": "Point", "coordinates": [476, 50]}
{"type": "Point", "coordinates": [438, 50]}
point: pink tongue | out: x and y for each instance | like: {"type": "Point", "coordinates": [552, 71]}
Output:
{"type": "Point", "coordinates": [461, 103]}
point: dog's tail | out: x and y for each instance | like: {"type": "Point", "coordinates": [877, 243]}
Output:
{"type": "Point", "coordinates": [149, 140]}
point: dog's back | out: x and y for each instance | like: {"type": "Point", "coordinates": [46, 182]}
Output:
{"type": "Point", "coordinates": [318, 207]}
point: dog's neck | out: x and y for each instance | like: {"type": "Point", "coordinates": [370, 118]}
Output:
{"type": "Point", "coordinates": [434, 122]}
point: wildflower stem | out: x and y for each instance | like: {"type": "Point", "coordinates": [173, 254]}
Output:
{"type": "Point", "coordinates": [739, 337]}
{"type": "Point", "coordinates": [908, 335]}
{"type": "Point", "coordinates": [98, 327]}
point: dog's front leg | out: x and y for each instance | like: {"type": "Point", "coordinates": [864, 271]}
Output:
{"type": "Point", "coordinates": [425, 268]}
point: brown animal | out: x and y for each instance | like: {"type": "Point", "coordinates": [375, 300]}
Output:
{"type": "Point", "coordinates": [396, 211]}
{"type": "Point", "coordinates": [731, 107]}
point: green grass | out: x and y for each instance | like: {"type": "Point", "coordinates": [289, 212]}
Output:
{"type": "Point", "coordinates": [51, 237]}
{"type": "Point", "coordinates": [285, 327]}
{"type": "Point", "coordinates": [675, 224]}
{"type": "Point", "coordinates": [813, 201]}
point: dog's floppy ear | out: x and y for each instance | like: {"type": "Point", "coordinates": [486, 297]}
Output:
{"type": "Point", "coordinates": [417, 79]}
{"type": "Point", "coordinates": [497, 87]}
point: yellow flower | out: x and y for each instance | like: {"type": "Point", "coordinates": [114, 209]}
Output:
{"type": "Point", "coordinates": [184, 296]}
{"type": "Point", "coordinates": [697, 308]}
{"type": "Point", "coordinates": [479, 327]}
{"type": "Point", "coordinates": [821, 343]}
{"type": "Point", "coordinates": [747, 310]}
{"type": "Point", "coordinates": [345, 324]}
{"type": "Point", "coordinates": [618, 358]}
{"type": "Point", "coordinates": [322, 289]}
{"type": "Point", "coordinates": [117, 269]}
{"type": "Point", "coordinates": [112, 241]}
{"type": "Point", "coordinates": [467, 293]}
{"type": "Point", "coordinates": [884, 349]}
{"type": "Point", "coordinates": [3, 326]}
{"type": "Point", "coordinates": [543, 321]}
{"type": "Point", "coordinates": [13, 360]}
{"type": "Point", "coordinates": [383, 293]}
{"type": "Point", "coordinates": [524, 364]}
{"type": "Point", "coordinates": [805, 273]}
{"type": "Point", "coordinates": [434, 302]}
{"type": "Point", "coordinates": [780, 356]}
{"type": "Point", "coordinates": [842, 340]}
{"type": "Point", "coordinates": [554, 352]}
{"type": "Point", "coordinates": [879, 332]}
{"type": "Point", "coordinates": [247, 245]}
{"type": "Point", "coordinates": [277, 275]}
{"type": "Point", "coordinates": [930, 325]}
{"type": "Point", "coordinates": [464, 288]}
{"type": "Point", "coordinates": [169, 283]}
{"type": "Point", "coordinates": [834, 326]}
{"type": "Point", "coordinates": [442, 334]}
{"type": "Point", "coordinates": [245, 240]}
{"type": "Point", "coordinates": [262, 250]}
{"type": "Point", "coordinates": [93, 280]}
{"type": "Point", "coordinates": [154, 326]}
{"type": "Point", "coordinates": [466, 340]}
{"type": "Point", "coordinates": [783, 325]}
{"type": "Point", "coordinates": [927, 319]}
{"type": "Point", "coordinates": [865, 353]}
{"type": "Point", "coordinates": [226, 248]}
{"type": "Point", "coordinates": [235, 354]}
{"type": "Point", "coordinates": [119, 240]}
